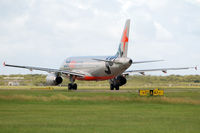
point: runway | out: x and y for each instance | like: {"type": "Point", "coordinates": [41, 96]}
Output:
{"type": "Point", "coordinates": [101, 90]}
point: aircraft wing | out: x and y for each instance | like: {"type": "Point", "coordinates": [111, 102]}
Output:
{"type": "Point", "coordinates": [47, 70]}
{"type": "Point", "coordinates": [164, 70]}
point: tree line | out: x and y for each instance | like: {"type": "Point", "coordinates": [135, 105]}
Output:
{"type": "Point", "coordinates": [40, 79]}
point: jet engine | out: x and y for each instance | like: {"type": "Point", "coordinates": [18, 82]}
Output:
{"type": "Point", "coordinates": [53, 79]}
{"type": "Point", "coordinates": [120, 80]}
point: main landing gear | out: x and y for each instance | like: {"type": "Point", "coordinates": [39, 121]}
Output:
{"type": "Point", "coordinates": [116, 82]}
{"type": "Point", "coordinates": [112, 87]}
{"type": "Point", "coordinates": [72, 85]}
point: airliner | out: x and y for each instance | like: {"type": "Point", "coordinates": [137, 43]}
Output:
{"type": "Point", "coordinates": [98, 68]}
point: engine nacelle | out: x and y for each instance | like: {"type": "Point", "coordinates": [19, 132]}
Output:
{"type": "Point", "coordinates": [53, 79]}
{"type": "Point", "coordinates": [120, 80]}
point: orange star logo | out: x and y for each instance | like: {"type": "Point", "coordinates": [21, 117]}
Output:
{"type": "Point", "coordinates": [124, 39]}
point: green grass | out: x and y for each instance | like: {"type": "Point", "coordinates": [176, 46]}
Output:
{"type": "Point", "coordinates": [104, 87]}
{"type": "Point", "coordinates": [95, 112]}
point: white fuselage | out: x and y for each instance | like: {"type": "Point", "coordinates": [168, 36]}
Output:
{"type": "Point", "coordinates": [96, 70]}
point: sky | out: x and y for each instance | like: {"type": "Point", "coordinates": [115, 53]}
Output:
{"type": "Point", "coordinates": [45, 32]}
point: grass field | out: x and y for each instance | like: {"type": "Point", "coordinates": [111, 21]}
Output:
{"type": "Point", "coordinates": [60, 111]}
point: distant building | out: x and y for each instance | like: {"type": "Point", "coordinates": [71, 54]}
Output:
{"type": "Point", "coordinates": [13, 83]}
{"type": "Point", "coordinates": [13, 78]}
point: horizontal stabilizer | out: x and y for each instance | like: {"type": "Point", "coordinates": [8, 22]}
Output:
{"type": "Point", "coordinates": [138, 62]}
{"type": "Point", "coordinates": [109, 61]}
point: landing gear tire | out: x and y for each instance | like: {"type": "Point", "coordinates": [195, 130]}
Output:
{"type": "Point", "coordinates": [72, 86]}
{"type": "Point", "coordinates": [112, 87]}
{"type": "Point", "coordinates": [75, 86]}
{"type": "Point", "coordinates": [117, 87]}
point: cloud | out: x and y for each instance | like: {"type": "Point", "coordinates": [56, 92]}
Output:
{"type": "Point", "coordinates": [125, 5]}
{"type": "Point", "coordinates": [156, 5]}
{"type": "Point", "coordinates": [195, 2]}
{"type": "Point", "coordinates": [43, 33]}
{"type": "Point", "coordinates": [162, 33]}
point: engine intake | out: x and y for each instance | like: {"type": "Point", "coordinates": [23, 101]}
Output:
{"type": "Point", "coordinates": [53, 79]}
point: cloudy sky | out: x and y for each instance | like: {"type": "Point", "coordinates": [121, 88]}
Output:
{"type": "Point", "coordinates": [45, 32]}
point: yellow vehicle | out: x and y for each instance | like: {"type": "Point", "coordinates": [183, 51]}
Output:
{"type": "Point", "coordinates": [154, 92]}
{"type": "Point", "coordinates": [143, 92]}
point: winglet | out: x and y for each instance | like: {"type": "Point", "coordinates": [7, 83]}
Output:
{"type": "Point", "coordinates": [196, 68]}
{"type": "Point", "coordinates": [142, 73]}
{"type": "Point", "coordinates": [4, 63]}
{"type": "Point", "coordinates": [164, 71]}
